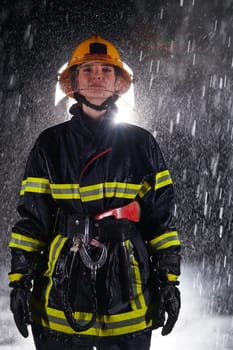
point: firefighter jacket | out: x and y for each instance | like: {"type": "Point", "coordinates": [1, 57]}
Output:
{"type": "Point", "coordinates": [74, 172]}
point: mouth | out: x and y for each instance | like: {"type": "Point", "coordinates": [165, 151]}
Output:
{"type": "Point", "coordinates": [93, 86]}
{"type": "Point", "coordinates": [96, 89]}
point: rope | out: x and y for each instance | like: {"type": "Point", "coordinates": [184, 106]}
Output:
{"type": "Point", "coordinates": [93, 265]}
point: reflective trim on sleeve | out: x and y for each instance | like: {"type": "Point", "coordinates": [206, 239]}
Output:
{"type": "Point", "coordinates": [171, 277]}
{"type": "Point", "coordinates": [162, 179]}
{"type": "Point", "coordinates": [23, 242]}
{"type": "Point", "coordinates": [36, 185]}
{"type": "Point", "coordinates": [14, 277]}
{"type": "Point", "coordinates": [164, 241]}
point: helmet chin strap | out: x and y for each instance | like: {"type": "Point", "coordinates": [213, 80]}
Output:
{"type": "Point", "coordinates": [105, 105]}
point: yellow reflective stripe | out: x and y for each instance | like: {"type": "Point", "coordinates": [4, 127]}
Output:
{"type": "Point", "coordinates": [93, 192]}
{"type": "Point", "coordinates": [86, 193]}
{"type": "Point", "coordinates": [162, 179]}
{"type": "Point", "coordinates": [171, 277]}
{"type": "Point", "coordinates": [106, 325]}
{"type": "Point", "coordinates": [138, 302]}
{"type": "Point", "coordinates": [14, 277]}
{"type": "Point", "coordinates": [108, 190]}
{"type": "Point", "coordinates": [65, 191]}
{"type": "Point", "coordinates": [29, 244]}
{"type": "Point", "coordinates": [54, 253]}
{"type": "Point", "coordinates": [166, 240]}
{"type": "Point", "coordinates": [144, 189]}
{"type": "Point", "coordinates": [36, 185]}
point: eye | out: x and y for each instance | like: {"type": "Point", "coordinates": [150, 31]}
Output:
{"type": "Point", "coordinates": [107, 69]}
{"type": "Point", "coordinates": [86, 69]}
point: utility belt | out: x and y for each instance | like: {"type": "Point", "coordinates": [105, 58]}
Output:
{"type": "Point", "coordinates": [114, 225]}
{"type": "Point", "coordinates": [92, 234]}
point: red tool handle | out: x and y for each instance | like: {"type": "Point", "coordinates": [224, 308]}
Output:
{"type": "Point", "coordinates": [130, 211]}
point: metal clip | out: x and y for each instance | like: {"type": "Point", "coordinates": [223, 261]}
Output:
{"type": "Point", "coordinates": [77, 241]}
{"type": "Point", "coordinates": [94, 269]}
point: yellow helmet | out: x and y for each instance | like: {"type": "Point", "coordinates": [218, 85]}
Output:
{"type": "Point", "coordinates": [97, 49]}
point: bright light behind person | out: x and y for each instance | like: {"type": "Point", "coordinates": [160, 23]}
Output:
{"type": "Point", "coordinates": [125, 103]}
{"type": "Point", "coordinates": [59, 94]}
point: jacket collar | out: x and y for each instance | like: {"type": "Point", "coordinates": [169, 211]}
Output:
{"type": "Point", "coordinates": [89, 127]}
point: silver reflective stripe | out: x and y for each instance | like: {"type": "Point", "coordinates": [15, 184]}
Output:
{"type": "Point", "coordinates": [36, 185]}
{"type": "Point", "coordinates": [162, 179]}
{"type": "Point", "coordinates": [99, 325]}
{"type": "Point", "coordinates": [165, 240]}
{"type": "Point", "coordinates": [26, 243]}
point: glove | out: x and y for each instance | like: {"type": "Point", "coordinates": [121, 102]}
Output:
{"type": "Point", "coordinates": [169, 303]}
{"type": "Point", "coordinates": [20, 304]}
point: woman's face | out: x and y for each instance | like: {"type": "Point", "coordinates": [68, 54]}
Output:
{"type": "Point", "coordinates": [96, 81]}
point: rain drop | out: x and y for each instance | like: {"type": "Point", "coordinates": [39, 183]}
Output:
{"type": "Point", "coordinates": [221, 213]}
{"type": "Point", "coordinates": [225, 80]}
{"type": "Point", "coordinates": [161, 13]}
{"type": "Point", "coordinates": [215, 25]}
{"type": "Point", "coordinates": [171, 127]}
{"type": "Point", "coordinates": [140, 56]}
{"type": "Point", "coordinates": [203, 91]}
{"type": "Point", "coordinates": [225, 261]}
{"type": "Point", "coordinates": [193, 132]}
{"type": "Point", "coordinates": [151, 65]}
{"type": "Point", "coordinates": [220, 231]}
{"type": "Point", "coordinates": [151, 82]}
{"type": "Point", "coordinates": [220, 83]}
{"type": "Point", "coordinates": [27, 33]}
{"type": "Point", "coordinates": [172, 48]}
{"type": "Point", "coordinates": [195, 230]}
{"type": "Point", "coordinates": [194, 59]}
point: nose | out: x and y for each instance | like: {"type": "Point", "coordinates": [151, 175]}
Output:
{"type": "Point", "coordinates": [97, 74]}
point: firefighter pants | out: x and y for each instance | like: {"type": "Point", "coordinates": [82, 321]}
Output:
{"type": "Point", "coordinates": [136, 341]}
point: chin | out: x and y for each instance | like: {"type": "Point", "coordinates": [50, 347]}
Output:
{"type": "Point", "coordinates": [101, 97]}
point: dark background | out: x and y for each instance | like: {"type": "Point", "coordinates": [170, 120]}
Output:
{"type": "Point", "coordinates": [181, 54]}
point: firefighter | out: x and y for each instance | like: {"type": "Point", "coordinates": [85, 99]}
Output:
{"type": "Point", "coordinates": [95, 256]}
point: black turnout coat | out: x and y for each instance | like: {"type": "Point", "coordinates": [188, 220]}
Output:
{"type": "Point", "coordinates": [76, 171]}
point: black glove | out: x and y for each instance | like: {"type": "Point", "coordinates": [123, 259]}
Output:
{"type": "Point", "coordinates": [20, 304]}
{"type": "Point", "coordinates": [169, 303]}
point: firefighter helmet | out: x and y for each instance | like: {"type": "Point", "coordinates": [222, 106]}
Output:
{"type": "Point", "coordinates": [93, 49]}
